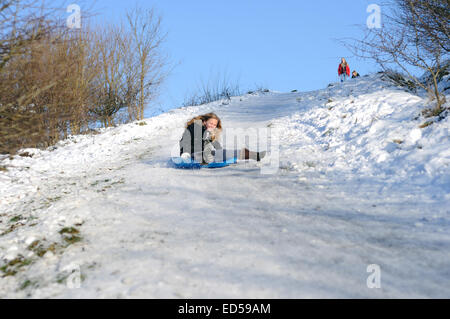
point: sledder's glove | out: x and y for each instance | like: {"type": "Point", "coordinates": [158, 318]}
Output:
{"type": "Point", "coordinates": [186, 157]}
{"type": "Point", "coordinates": [209, 153]}
{"type": "Point", "coordinates": [210, 147]}
{"type": "Point", "coordinates": [207, 137]}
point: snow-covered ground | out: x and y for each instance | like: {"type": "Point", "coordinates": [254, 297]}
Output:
{"type": "Point", "coordinates": [358, 183]}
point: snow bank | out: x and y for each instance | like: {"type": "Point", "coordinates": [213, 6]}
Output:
{"type": "Point", "coordinates": [368, 133]}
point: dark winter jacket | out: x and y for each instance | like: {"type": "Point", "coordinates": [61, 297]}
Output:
{"type": "Point", "coordinates": [195, 138]}
{"type": "Point", "coordinates": [355, 75]}
{"type": "Point", "coordinates": [342, 70]}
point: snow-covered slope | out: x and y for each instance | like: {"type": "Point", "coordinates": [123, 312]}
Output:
{"type": "Point", "coordinates": [359, 183]}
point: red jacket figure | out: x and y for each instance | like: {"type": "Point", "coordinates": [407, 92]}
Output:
{"type": "Point", "coordinates": [342, 67]}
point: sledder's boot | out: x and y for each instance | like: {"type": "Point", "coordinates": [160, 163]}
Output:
{"type": "Point", "coordinates": [247, 154]}
{"type": "Point", "coordinates": [260, 155]}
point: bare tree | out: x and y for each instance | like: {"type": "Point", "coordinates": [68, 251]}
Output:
{"type": "Point", "coordinates": [108, 88]}
{"type": "Point", "coordinates": [146, 41]}
{"type": "Point", "coordinates": [430, 18]}
{"type": "Point", "coordinates": [414, 38]}
{"type": "Point", "coordinates": [131, 80]}
{"type": "Point", "coordinates": [84, 71]}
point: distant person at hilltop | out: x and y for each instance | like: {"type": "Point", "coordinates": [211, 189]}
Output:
{"type": "Point", "coordinates": [343, 70]}
{"type": "Point", "coordinates": [355, 74]}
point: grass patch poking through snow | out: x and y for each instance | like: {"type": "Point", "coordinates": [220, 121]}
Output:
{"type": "Point", "coordinates": [14, 266]}
{"type": "Point", "coordinates": [70, 235]}
{"type": "Point", "coordinates": [40, 248]}
{"type": "Point", "coordinates": [428, 123]}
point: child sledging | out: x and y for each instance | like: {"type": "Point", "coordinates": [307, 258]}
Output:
{"type": "Point", "coordinates": [200, 144]}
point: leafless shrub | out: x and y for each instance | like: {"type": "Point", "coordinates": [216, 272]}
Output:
{"type": "Point", "coordinates": [56, 81]}
{"type": "Point", "coordinates": [221, 87]}
{"type": "Point", "coordinates": [414, 38]}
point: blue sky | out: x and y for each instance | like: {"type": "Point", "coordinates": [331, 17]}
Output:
{"type": "Point", "coordinates": [282, 45]}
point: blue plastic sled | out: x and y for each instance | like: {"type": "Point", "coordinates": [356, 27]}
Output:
{"type": "Point", "coordinates": [179, 163]}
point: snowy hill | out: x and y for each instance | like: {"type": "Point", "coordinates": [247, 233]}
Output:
{"type": "Point", "coordinates": [359, 182]}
